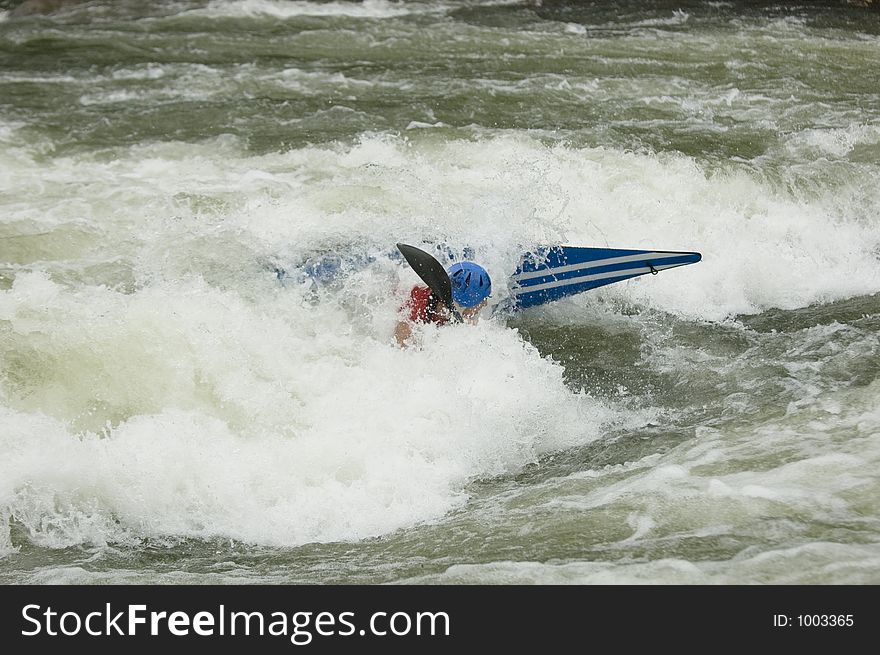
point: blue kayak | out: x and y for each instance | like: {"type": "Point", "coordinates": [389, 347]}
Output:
{"type": "Point", "coordinates": [542, 275]}
{"type": "Point", "coordinates": [559, 271]}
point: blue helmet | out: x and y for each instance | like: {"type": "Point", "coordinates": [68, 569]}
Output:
{"type": "Point", "coordinates": [470, 283]}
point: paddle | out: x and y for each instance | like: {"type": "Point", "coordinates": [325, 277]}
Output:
{"type": "Point", "coordinates": [432, 273]}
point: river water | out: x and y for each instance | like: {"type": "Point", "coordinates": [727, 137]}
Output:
{"type": "Point", "coordinates": [173, 412]}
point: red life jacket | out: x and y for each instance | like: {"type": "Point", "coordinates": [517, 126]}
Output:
{"type": "Point", "coordinates": [424, 307]}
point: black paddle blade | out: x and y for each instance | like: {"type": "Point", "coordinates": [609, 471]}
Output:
{"type": "Point", "coordinates": [432, 273]}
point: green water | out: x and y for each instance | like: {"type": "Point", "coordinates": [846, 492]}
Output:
{"type": "Point", "coordinates": [171, 414]}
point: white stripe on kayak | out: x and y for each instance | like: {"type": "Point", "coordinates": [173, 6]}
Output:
{"type": "Point", "coordinates": [593, 264]}
{"type": "Point", "coordinates": [588, 278]}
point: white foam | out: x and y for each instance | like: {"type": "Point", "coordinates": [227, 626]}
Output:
{"type": "Point", "coordinates": [678, 17]}
{"type": "Point", "coordinates": [761, 247]}
{"type": "Point", "coordinates": [201, 398]}
{"type": "Point", "coordinates": [833, 143]}
{"type": "Point", "coordinates": [186, 411]}
{"type": "Point", "coordinates": [286, 9]}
